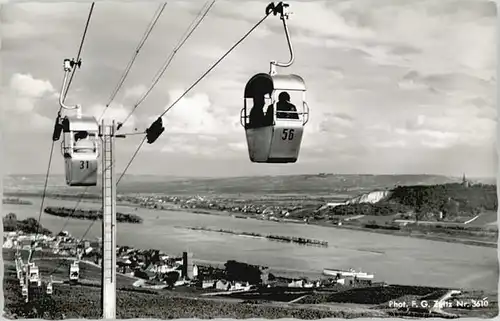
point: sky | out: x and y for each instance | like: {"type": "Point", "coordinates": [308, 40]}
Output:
{"type": "Point", "coordinates": [394, 87]}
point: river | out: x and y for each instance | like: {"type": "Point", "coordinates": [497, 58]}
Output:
{"type": "Point", "coordinates": [394, 259]}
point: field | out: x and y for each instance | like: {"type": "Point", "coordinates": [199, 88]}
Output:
{"type": "Point", "coordinates": [380, 297]}
{"type": "Point", "coordinates": [373, 296]}
{"type": "Point", "coordinates": [475, 311]}
{"type": "Point", "coordinates": [381, 220]}
{"type": "Point", "coordinates": [279, 294]}
{"type": "Point", "coordinates": [486, 219]}
{"type": "Point", "coordinates": [80, 302]}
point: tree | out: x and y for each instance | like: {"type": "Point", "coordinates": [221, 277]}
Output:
{"type": "Point", "coordinates": [155, 257]}
{"type": "Point", "coordinates": [171, 278]}
{"type": "Point", "coordinates": [451, 208]}
{"type": "Point", "coordinates": [11, 217]}
{"type": "Point", "coordinates": [10, 222]}
{"type": "Point", "coordinates": [238, 271]}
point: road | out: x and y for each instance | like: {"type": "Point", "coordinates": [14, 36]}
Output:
{"type": "Point", "coordinates": [440, 303]}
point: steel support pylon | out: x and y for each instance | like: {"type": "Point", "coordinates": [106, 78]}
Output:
{"type": "Point", "coordinates": [108, 222]}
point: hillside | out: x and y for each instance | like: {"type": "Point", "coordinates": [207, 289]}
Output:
{"type": "Point", "coordinates": [371, 197]}
{"type": "Point", "coordinates": [426, 202]}
{"type": "Point", "coordinates": [308, 185]}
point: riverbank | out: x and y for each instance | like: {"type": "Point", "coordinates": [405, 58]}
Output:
{"type": "Point", "coordinates": [413, 234]}
{"type": "Point", "coordinates": [447, 236]}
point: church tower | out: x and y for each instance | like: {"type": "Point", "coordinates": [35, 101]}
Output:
{"type": "Point", "coordinates": [465, 182]}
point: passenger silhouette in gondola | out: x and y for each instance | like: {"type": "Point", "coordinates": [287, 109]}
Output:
{"type": "Point", "coordinates": [257, 112]}
{"type": "Point", "coordinates": [82, 142]}
{"type": "Point", "coordinates": [285, 109]}
{"type": "Point", "coordinates": [81, 135]}
{"type": "Point", "coordinates": [269, 117]}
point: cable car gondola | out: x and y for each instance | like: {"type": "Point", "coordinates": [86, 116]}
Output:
{"type": "Point", "coordinates": [275, 136]}
{"type": "Point", "coordinates": [80, 150]}
{"type": "Point", "coordinates": [50, 288]}
{"type": "Point", "coordinates": [19, 269]}
{"type": "Point", "coordinates": [74, 273]}
{"type": "Point", "coordinates": [80, 142]}
{"type": "Point", "coordinates": [34, 274]}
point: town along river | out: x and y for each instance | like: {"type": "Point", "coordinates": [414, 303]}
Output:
{"type": "Point", "coordinates": [393, 259]}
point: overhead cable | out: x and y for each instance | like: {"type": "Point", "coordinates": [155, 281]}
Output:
{"type": "Point", "coordinates": [148, 31]}
{"type": "Point", "coordinates": [53, 142]}
{"type": "Point", "coordinates": [162, 70]}
{"type": "Point", "coordinates": [203, 76]}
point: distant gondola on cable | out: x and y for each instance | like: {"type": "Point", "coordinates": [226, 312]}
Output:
{"type": "Point", "coordinates": [80, 141]}
{"type": "Point", "coordinates": [278, 109]}
{"type": "Point", "coordinates": [34, 275]}
{"type": "Point", "coordinates": [50, 288]}
{"type": "Point", "coordinates": [74, 273]}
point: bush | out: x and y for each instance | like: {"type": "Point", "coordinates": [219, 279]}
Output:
{"type": "Point", "coordinates": [383, 208]}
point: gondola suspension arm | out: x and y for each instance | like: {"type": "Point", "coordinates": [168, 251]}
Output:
{"type": "Point", "coordinates": [282, 9]}
{"type": "Point", "coordinates": [68, 65]}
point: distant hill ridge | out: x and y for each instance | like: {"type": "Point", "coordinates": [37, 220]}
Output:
{"type": "Point", "coordinates": [309, 184]}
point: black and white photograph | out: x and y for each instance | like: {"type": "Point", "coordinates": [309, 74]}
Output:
{"type": "Point", "coordinates": [249, 159]}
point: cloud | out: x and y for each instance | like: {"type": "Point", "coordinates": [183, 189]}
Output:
{"type": "Point", "coordinates": [413, 81]}
{"type": "Point", "coordinates": [24, 99]}
{"type": "Point", "coordinates": [346, 118]}
{"type": "Point", "coordinates": [135, 91]}
{"type": "Point", "coordinates": [200, 145]}
{"type": "Point", "coordinates": [195, 114]}
{"type": "Point", "coordinates": [39, 122]}
{"type": "Point", "coordinates": [27, 86]}
{"type": "Point", "coordinates": [337, 73]}
{"type": "Point", "coordinates": [391, 144]}
{"type": "Point", "coordinates": [430, 36]}
{"type": "Point", "coordinates": [445, 131]}
{"type": "Point", "coordinates": [210, 52]}
{"type": "Point", "coordinates": [333, 122]}
{"type": "Point", "coordinates": [115, 112]}
{"type": "Point", "coordinates": [239, 147]}
{"type": "Point", "coordinates": [384, 78]}
{"type": "Point", "coordinates": [327, 22]}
